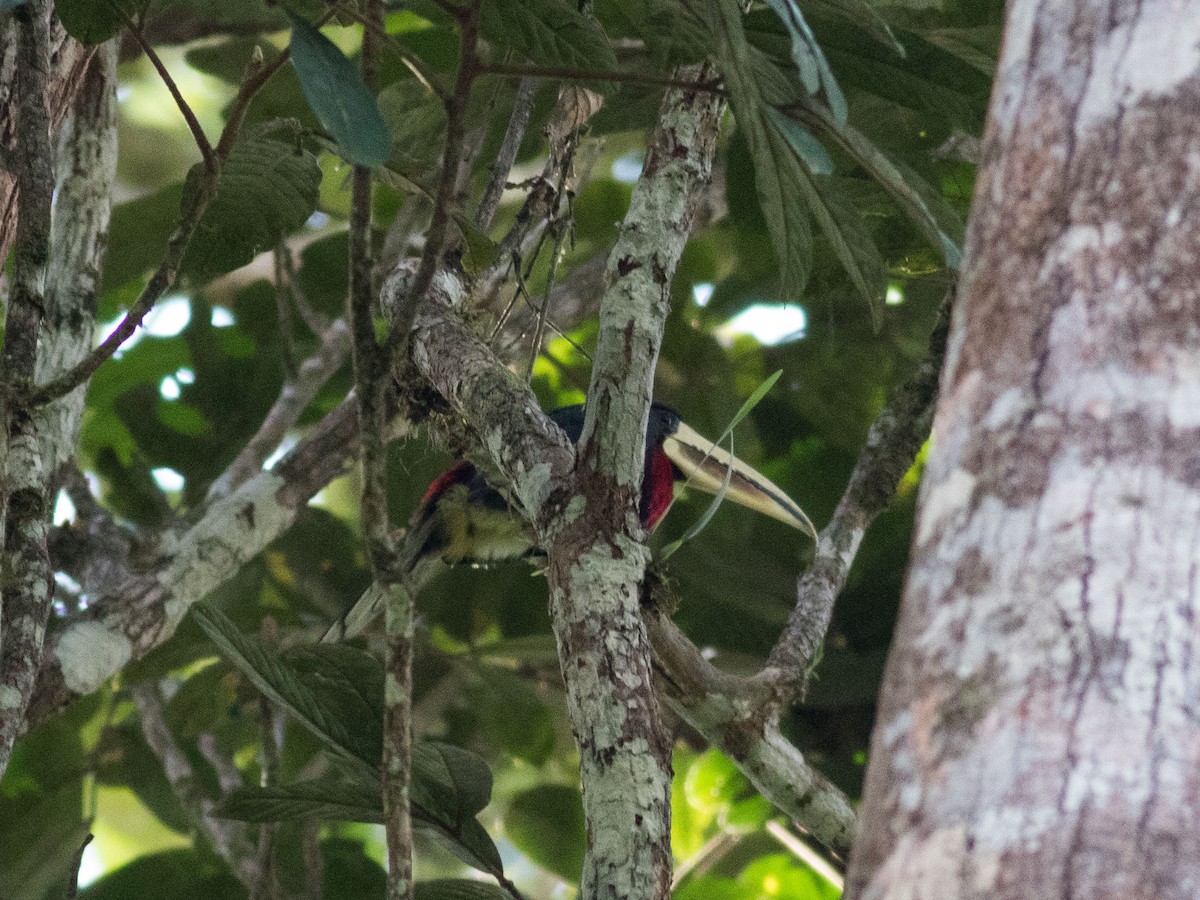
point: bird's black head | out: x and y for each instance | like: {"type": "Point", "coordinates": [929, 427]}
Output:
{"type": "Point", "coordinates": [663, 421]}
{"type": "Point", "coordinates": [659, 474]}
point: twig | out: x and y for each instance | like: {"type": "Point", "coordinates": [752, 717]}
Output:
{"type": "Point", "coordinates": [293, 399]}
{"type": "Point", "coordinates": [439, 227]}
{"type": "Point", "coordinates": [518, 122]}
{"type": "Point", "coordinates": [892, 444]}
{"type": "Point", "coordinates": [193, 124]}
{"type": "Point", "coordinates": [283, 315]}
{"type": "Point", "coordinates": [229, 839]}
{"type": "Point", "coordinates": [76, 865]}
{"type": "Point", "coordinates": [567, 74]}
{"type": "Point", "coordinates": [316, 322]}
{"type": "Point", "coordinates": [704, 858]}
{"type": "Point", "coordinates": [806, 854]}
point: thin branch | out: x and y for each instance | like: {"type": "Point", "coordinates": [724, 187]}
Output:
{"type": "Point", "coordinates": [567, 74]}
{"type": "Point", "coordinates": [293, 399]}
{"type": "Point", "coordinates": [518, 122]}
{"type": "Point", "coordinates": [806, 854]}
{"type": "Point", "coordinates": [439, 228]}
{"type": "Point", "coordinates": [230, 839]}
{"type": "Point", "coordinates": [892, 444]}
{"type": "Point", "coordinates": [193, 124]}
{"type": "Point", "coordinates": [725, 710]}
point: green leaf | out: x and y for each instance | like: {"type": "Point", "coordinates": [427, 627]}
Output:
{"type": "Point", "coordinates": [806, 53]}
{"type": "Point", "coordinates": [842, 224]}
{"type": "Point", "coordinates": [457, 889]}
{"type": "Point", "coordinates": [94, 21]}
{"type": "Point", "coordinates": [778, 174]}
{"type": "Point", "coordinates": [810, 151]}
{"type": "Point", "coordinates": [138, 235]}
{"type": "Point", "coordinates": [451, 783]}
{"type": "Point", "coordinates": [709, 888]}
{"type": "Point", "coordinates": [923, 205]}
{"type": "Point", "coordinates": [268, 189]}
{"type": "Point", "coordinates": [321, 799]}
{"type": "Point", "coordinates": [546, 824]}
{"type": "Point", "coordinates": [337, 95]}
{"type": "Point", "coordinates": [283, 685]}
{"type": "Point", "coordinates": [547, 33]}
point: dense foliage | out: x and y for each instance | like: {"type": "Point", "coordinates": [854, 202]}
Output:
{"type": "Point", "coordinates": [836, 209]}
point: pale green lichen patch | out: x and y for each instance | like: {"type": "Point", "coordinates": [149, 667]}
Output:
{"type": "Point", "coordinates": [89, 654]}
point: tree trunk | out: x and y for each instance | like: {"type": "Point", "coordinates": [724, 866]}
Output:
{"type": "Point", "coordinates": [1038, 734]}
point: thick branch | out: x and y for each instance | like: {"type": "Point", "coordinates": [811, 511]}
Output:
{"type": "Point", "coordinates": [727, 711]}
{"type": "Point", "coordinates": [598, 562]}
{"type": "Point", "coordinates": [128, 621]}
{"type": "Point", "coordinates": [26, 586]}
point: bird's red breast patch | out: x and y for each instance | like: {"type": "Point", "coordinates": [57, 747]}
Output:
{"type": "Point", "coordinates": [658, 488]}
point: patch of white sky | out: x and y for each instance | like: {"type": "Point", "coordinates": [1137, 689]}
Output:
{"type": "Point", "coordinates": [627, 167]}
{"type": "Point", "coordinates": [167, 319]}
{"type": "Point", "coordinates": [770, 324]}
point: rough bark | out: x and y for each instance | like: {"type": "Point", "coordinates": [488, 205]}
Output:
{"type": "Point", "coordinates": [68, 60]}
{"type": "Point", "coordinates": [1038, 735]}
{"type": "Point", "coordinates": [598, 561]}
{"type": "Point", "coordinates": [138, 612]}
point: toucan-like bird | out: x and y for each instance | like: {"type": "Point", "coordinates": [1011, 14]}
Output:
{"type": "Point", "coordinates": [463, 519]}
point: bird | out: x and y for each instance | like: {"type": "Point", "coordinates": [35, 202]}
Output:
{"type": "Point", "coordinates": [462, 519]}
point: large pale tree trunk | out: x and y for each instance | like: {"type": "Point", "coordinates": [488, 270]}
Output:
{"type": "Point", "coordinates": [1039, 733]}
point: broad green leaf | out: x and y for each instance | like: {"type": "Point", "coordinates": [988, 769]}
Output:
{"type": "Point", "coordinates": [672, 36]}
{"type": "Point", "coordinates": [546, 824]}
{"type": "Point", "coordinates": [284, 686]}
{"type": "Point", "coordinates": [268, 189]}
{"type": "Point", "coordinates": [138, 235]}
{"type": "Point", "coordinates": [94, 21]}
{"type": "Point", "coordinates": [863, 14]}
{"type": "Point", "coordinates": [337, 95]}
{"type": "Point", "coordinates": [349, 680]}
{"type": "Point", "coordinates": [471, 843]}
{"type": "Point", "coordinates": [178, 874]}
{"type": "Point", "coordinates": [325, 799]}
{"type": "Point", "coordinates": [810, 60]}
{"type": "Point", "coordinates": [927, 210]}
{"type": "Point", "coordinates": [777, 170]}
{"type": "Point", "coordinates": [547, 33]}
{"type": "Point", "coordinates": [462, 781]}
{"type": "Point", "coordinates": [457, 889]}
{"type": "Point", "coordinates": [810, 150]}
{"type": "Point", "coordinates": [843, 226]}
